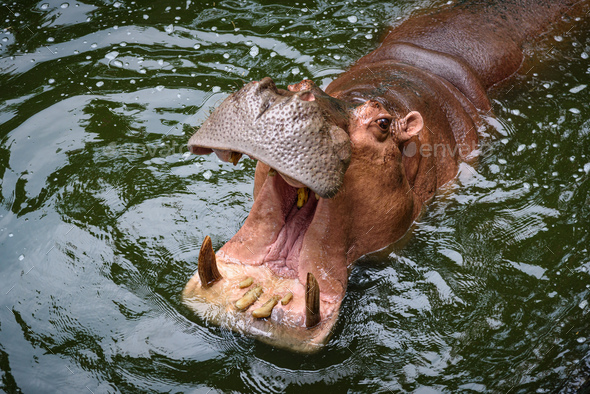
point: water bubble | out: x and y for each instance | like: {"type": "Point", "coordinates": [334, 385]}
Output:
{"type": "Point", "coordinates": [159, 88]}
{"type": "Point", "coordinates": [226, 55]}
{"type": "Point", "coordinates": [337, 57]}
{"type": "Point", "coordinates": [51, 80]}
{"type": "Point", "coordinates": [352, 19]}
{"type": "Point", "coordinates": [207, 174]}
{"type": "Point", "coordinates": [65, 5]}
{"type": "Point", "coordinates": [99, 83]}
{"type": "Point", "coordinates": [93, 45]}
{"type": "Point", "coordinates": [273, 54]}
{"type": "Point", "coordinates": [502, 161]}
{"type": "Point", "coordinates": [584, 55]}
{"type": "Point", "coordinates": [197, 46]}
{"type": "Point", "coordinates": [254, 51]}
{"type": "Point", "coordinates": [215, 89]}
{"type": "Point", "coordinates": [142, 71]}
{"type": "Point", "coordinates": [10, 235]}
{"type": "Point", "coordinates": [295, 71]}
{"type": "Point", "coordinates": [146, 16]}
{"type": "Point", "coordinates": [368, 36]}
{"type": "Point", "coordinates": [50, 39]}
{"type": "Point", "coordinates": [574, 111]}
{"type": "Point", "coordinates": [587, 168]}
{"type": "Point", "coordinates": [558, 38]}
{"type": "Point", "coordinates": [581, 339]}
{"type": "Point", "coordinates": [117, 4]}
{"type": "Point", "coordinates": [112, 55]}
{"type": "Point", "coordinates": [118, 63]}
{"type": "Point", "coordinates": [577, 88]}
{"type": "Point", "coordinates": [44, 6]}
{"type": "Point", "coordinates": [213, 28]}
{"type": "Point", "coordinates": [546, 85]}
{"type": "Point", "coordinates": [21, 257]}
{"type": "Point", "coordinates": [521, 147]}
{"type": "Point", "coordinates": [169, 29]}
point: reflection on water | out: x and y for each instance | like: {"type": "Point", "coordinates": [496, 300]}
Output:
{"type": "Point", "coordinates": [102, 210]}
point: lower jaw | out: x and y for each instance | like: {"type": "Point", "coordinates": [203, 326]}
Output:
{"type": "Point", "coordinates": [284, 328]}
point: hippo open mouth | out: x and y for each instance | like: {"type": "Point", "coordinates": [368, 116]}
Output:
{"type": "Point", "coordinates": [275, 278]}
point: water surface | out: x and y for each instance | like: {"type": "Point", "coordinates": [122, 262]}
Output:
{"type": "Point", "coordinates": [102, 211]}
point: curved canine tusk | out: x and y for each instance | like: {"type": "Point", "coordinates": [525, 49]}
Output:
{"type": "Point", "coordinates": [312, 301]}
{"type": "Point", "coordinates": [234, 157]}
{"type": "Point", "coordinates": [302, 196]}
{"type": "Point", "coordinates": [208, 272]}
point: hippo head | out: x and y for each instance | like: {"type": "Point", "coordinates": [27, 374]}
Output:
{"type": "Point", "coordinates": [330, 186]}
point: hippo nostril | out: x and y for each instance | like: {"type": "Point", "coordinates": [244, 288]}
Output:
{"type": "Point", "coordinates": [307, 96]}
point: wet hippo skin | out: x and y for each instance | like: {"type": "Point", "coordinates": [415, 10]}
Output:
{"type": "Point", "coordinates": [345, 171]}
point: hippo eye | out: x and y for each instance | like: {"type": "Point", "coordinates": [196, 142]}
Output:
{"type": "Point", "coordinates": [383, 123]}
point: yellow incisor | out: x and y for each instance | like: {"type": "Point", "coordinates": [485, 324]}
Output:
{"type": "Point", "coordinates": [249, 298]}
{"type": "Point", "coordinates": [266, 309]}
{"type": "Point", "coordinates": [287, 298]}
{"type": "Point", "coordinates": [302, 196]}
{"type": "Point", "coordinates": [246, 283]}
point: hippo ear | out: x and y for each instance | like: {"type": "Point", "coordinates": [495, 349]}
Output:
{"type": "Point", "coordinates": [409, 126]}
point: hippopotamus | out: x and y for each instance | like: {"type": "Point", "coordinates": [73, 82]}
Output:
{"type": "Point", "coordinates": [345, 171]}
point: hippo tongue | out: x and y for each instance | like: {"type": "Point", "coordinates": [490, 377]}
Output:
{"type": "Point", "coordinates": [288, 131]}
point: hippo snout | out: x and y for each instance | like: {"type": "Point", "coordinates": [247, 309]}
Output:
{"type": "Point", "coordinates": [290, 131]}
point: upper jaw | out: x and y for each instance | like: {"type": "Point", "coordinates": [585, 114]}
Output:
{"type": "Point", "coordinates": [295, 133]}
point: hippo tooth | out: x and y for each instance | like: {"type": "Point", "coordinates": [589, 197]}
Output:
{"type": "Point", "coordinates": [317, 196]}
{"type": "Point", "coordinates": [246, 283]}
{"type": "Point", "coordinates": [302, 196]}
{"type": "Point", "coordinates": [234, 157]}
{"type": "Point", "coordinates": [208, 272]}
{"type": "Point", "coordinates": [249, 298]}
{"type": "Point", "coordinates": [272, 172]}
{"type": "Point", "coordinates": [266, 309]}
{"type": "Point", "coordinates": [312, 301]}
{"type": "Point", "coordinates": [287, 298]}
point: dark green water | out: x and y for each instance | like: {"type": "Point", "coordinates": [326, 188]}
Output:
{"type": "Point", "coordinates": [102, 213]}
